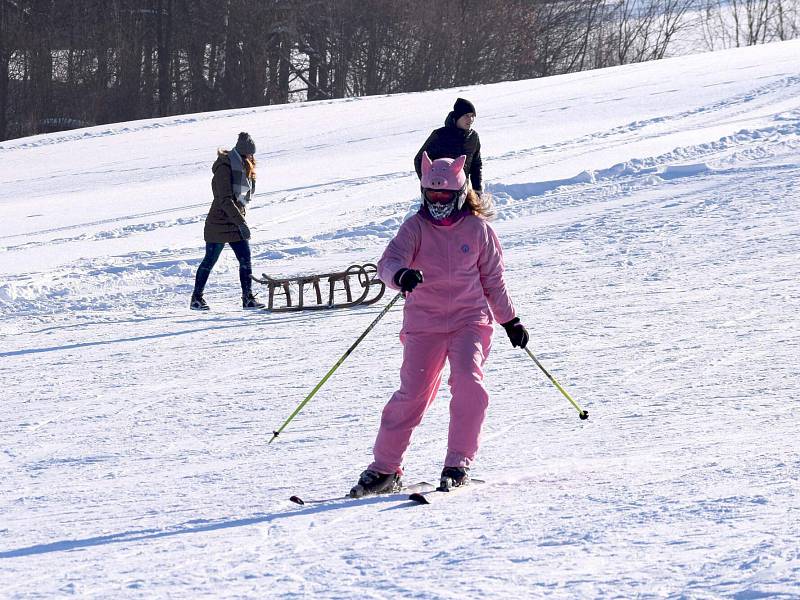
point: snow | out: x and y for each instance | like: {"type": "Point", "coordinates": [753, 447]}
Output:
{"type": "Point", "coordinates": [649, 216]}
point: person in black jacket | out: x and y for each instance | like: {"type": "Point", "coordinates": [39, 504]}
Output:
{"type": "Point", "coordinates": [233, 185]}
{"type": "Point", "coordinates": [454, 139]}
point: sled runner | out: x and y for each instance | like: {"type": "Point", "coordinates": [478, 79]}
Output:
{"type": "Point", "coordinates": [357, 285]}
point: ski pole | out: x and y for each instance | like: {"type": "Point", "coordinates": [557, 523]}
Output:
{"type": "Point", "coordinates": [336, 366]}
{"type": "Point", "coordinates": [581, 413]}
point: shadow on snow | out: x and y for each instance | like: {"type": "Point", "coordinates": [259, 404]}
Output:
{"type": "Point", "coordinates": [199, 526]}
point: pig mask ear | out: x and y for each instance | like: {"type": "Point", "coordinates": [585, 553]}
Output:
{"type": "Point", "coordinates": [458, 163]}
{"type": "Point", "coordinates": [427, 163]}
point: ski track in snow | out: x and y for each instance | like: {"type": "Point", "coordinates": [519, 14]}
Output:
{"type": "Point", "coordinates": [661, 290]}
{"type": "Point", "coordinates": [514, 199]}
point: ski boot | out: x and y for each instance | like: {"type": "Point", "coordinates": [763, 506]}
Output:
{"type": "Point", "coordinates": [372, 482]}
{"type": "Point", "coordinates": [249, 301]}
{"type": "Point", "coordinates": [198, 303]}
{"type": "Point", "coordinates": [453, 477]}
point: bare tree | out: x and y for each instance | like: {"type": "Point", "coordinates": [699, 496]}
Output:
{"type": "Point", "coordinates": [164, 11]}
{"type": "Point", "coordinates": [9, 20]}
{"type": "Point", "coordinates": [72, 63]}
{"type": "Point", "coordinates": [736, 23]}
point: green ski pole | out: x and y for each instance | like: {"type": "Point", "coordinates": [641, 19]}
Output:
{"type": "Point", "coordinates": [336, 366]}
{"type": "Point", "coordinates": [581, 413]}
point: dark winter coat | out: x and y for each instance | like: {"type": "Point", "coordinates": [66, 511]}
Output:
{"type": "Point", "coordinates": [226, 216]}
{"type": "Point", "coordinates": [451, 142]}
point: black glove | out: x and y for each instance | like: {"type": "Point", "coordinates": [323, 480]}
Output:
{"type": "Point", "coordinates": [244, 231]}
{"type": "Point", "coordinates": [516, 332]}
{"type": "Point", "coordinates": [408, 279]}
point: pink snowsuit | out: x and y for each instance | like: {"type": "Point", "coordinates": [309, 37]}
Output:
{"type": "Point", "coordinates": [447, 316]}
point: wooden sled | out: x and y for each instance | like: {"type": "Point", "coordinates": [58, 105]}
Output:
{"type": "Point", "coordinates": [358, 285]}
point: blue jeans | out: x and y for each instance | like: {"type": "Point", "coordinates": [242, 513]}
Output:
{"type": "Point", "coordinates": [213, 250]}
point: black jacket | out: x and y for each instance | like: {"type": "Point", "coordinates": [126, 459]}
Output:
{"type": "Point", "coordinates": [226, 215]}
{"type": "Point", "coordinates": [451, 142]}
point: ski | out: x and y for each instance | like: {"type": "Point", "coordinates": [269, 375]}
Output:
{"type": "Point", "coordinates": [423, 497]}
{"type": "Point", "coordinates": [414, 488]}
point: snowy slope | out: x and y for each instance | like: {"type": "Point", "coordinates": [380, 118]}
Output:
{"type": "Point", "coordinates": [650, 220]}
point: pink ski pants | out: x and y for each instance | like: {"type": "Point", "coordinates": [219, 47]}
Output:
{"type": "Point", "coordinates": [420, 376]}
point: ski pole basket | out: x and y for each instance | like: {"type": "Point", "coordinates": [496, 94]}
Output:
{"type": "Point", "coordinates": [358, 285]}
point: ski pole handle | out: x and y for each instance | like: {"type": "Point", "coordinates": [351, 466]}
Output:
{"type": "Point", "coordinates": [334, 367]}
{"type": "Point", "coordinates": [581, 413]}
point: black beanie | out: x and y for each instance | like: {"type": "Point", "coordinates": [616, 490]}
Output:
{"type": "Point", "coordinates": [462, 107]}
{"type": "Point", "coordinates": [245, 144]}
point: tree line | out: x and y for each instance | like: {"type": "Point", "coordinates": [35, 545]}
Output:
{"type": "Point", "coordinates": [67, 64]}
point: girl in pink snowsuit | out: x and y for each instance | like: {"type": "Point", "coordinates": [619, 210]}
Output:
{"type": "Point", "coordinates": [448, 262]}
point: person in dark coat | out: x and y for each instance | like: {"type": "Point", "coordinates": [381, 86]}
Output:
{"type": "Point", "coordinates": [454, 139]}
{"type": "Point", "coordinates": [233, 184]}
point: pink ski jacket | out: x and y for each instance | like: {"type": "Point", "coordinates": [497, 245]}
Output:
{"type": "Point", "coordinates": [463, 269]}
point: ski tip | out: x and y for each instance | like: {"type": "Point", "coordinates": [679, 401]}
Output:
{"type": "Point", "coordinates": [297, 500]}
{"type": "Point", "coordinates": [418, 498]}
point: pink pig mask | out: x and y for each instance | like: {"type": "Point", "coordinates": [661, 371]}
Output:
{"type": "Point", "coordinates": [444, 174]}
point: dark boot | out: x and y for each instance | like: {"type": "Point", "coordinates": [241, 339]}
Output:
{"type": "Point", "coordinates": [454, 477]}
{"type": "Point", "coordinates": [249, 301]}
{"type": "Point", "coordinates": [198, 303]}
{"type": "Point", "coordinates": [372, 482]}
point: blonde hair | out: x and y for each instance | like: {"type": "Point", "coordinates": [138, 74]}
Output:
{"type": "Point", "coordinates": [250, 167]}
{"type": "Point", "coordinates": [481, 206]}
